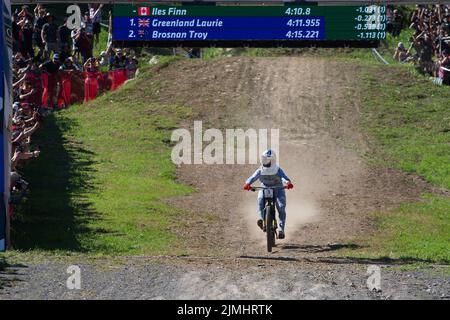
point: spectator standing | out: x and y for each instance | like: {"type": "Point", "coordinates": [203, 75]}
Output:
{"type": "Point", "coordinates": [15, 29]}
{"type": "Point", "coordinates": [38, 25]}
{"type": "Point", "coordinates": [75, 49]}
{"type": "Point", "coordinates": [26, 42]}
{"type": "Point", "coordinates": [64, 35]}
{"type": "Point", "coordinates": [397, 23]}
{"type": "Point", "coordinates": [50, 35]}
{"type": "Point", "coordinates": [426, 54]}
{"type": "Point", "coordinates": [88, 25]}
{"type": "Point", "coordinates": [50, 82]}
{"type": "Point", "coordinates": [446, 23]}
{"type": "Point", "coordinates": [95, 13]}
{"type": "Point", "coordinates": [83, 44]}
{"type": "Point", "coordinates": [132, 67]}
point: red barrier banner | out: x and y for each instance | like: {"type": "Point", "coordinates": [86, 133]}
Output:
{"type": "Point", "coordinates": [45, 90]}
{"type": "Point", "coordinates": [117, 77]}
{"type": "Point", "coordinates": [91, 86]}
{"type": "Point", "coordinates": [65, 90]}
{"type": "Point", "coordinates": [68, 87]}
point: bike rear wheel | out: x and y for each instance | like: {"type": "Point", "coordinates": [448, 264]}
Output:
{"type": "Point", "coordinates": [270, 232]}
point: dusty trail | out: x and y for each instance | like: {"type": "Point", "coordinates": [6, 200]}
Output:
{"type": "Point", "coordinates": [315, 103]}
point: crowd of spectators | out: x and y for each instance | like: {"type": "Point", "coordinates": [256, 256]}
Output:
{"type": "Point", "coordinates": [53, 67]}
{"type": "Point", "coordinates": [430, 41]}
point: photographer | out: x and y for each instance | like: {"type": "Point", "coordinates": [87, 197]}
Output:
{"type": "Point", "coordinates": [19, 188]}
{"type": "Point", "coordinates": [27, 93]}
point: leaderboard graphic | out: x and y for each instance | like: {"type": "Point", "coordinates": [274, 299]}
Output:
{"type": "Point", "coordinates": [5, 114]}
{"type": "Point", "coordinates": [248, 23]}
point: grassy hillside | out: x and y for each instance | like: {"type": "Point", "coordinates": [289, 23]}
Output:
{"type": "Point", "coordinates": [407, 121]}
{"type": "Point", "coordinates": [106, 168]}
{"type": "Point", "coordinates": [104, 172]}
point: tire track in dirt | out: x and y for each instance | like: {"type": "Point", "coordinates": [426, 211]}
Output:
{"type": "Point", "coordinates": [315, 104]}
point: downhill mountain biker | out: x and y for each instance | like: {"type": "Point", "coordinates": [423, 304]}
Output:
{"type": "Point", "coordinates": [271, 175]}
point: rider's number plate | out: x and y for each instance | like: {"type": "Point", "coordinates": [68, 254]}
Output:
{"type": "Point", "coordinates": [268, 193]}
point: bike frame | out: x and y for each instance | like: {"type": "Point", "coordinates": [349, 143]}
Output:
{"type": "Point", "coordinates": [269, 201]}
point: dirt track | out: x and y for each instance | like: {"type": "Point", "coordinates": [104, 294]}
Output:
{"type": "Point", "coordinates": [315, 103]}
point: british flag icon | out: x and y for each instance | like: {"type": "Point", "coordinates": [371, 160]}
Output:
{"type": "Point", "coordinates": [143, 23]}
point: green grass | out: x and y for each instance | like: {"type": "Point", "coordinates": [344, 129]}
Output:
{"type": "Point", "coordinates": [104, 172]}
{"type": "Point", "coordinates": [414, 232]}
{"type": "Point", "coordinates": [212, 53]}
{"type": "Point", "coordinates": [419, 230]}
{"type": "Point", "coordinates": [407, 121]}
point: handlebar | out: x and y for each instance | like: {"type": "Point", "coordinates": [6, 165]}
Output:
{"type": "Point", "coordinates": [265, 188]}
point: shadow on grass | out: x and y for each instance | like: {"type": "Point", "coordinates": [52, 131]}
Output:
{"type": "Point", "coordinates": [8, 273]}
{"type": "Point", "coordinates": [56, 212]}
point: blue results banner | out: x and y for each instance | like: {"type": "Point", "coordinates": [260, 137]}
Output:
{"type": "Point", "coordinates": [233, 25]}
{"type": "Point", "coordinates": [225, 28]}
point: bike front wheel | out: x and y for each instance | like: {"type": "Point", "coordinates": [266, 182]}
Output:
{"type": "Point", "coordinates": [270, 232]}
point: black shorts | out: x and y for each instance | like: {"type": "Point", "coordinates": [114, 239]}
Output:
{"type": "Point", "coordinates": [97, 28]}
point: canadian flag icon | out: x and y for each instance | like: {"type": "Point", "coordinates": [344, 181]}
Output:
{"type": "Point", "coordinates": [144, 11]}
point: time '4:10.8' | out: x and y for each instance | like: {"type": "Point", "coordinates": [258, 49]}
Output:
{"type": "Point", "coordinates": [298, 11]}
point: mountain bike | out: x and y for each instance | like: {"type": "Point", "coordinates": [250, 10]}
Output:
{"type": "Point", "coordinates": [270, 224]}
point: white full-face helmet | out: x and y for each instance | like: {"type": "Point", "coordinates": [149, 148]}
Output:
{"type": "Point", "coordinates": [268, 158]}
